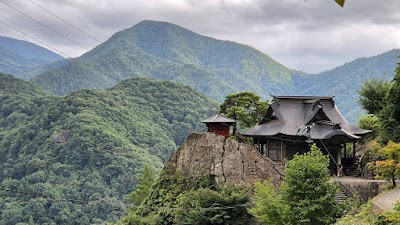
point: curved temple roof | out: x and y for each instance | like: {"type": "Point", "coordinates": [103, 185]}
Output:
{"type": "Point", "coordinates": [316, 116]}
{"type": "Point", "coordinates": [218, 118]}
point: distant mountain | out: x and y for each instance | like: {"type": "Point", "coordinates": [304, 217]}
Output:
{"type": "Point", "coordinates": [166, 51]}
{"type": "Point", "coordinates": [20, 57]}
{"type": "Point", "coordinates": [344, 81]}
{"type": "Point", "coordinates": [76, 157]}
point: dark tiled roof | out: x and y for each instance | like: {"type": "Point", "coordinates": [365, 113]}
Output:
{"type": "Point", "coordinates": [218, 118]}
{"type": "Point", "coordinates": [291, 115]}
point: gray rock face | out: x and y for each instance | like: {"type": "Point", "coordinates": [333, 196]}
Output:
{"type": "Point", "coordinates": [225, 159]}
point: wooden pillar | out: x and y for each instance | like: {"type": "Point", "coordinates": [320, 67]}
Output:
{"type": "Point", "coordinates": [339, 163]}
{"type": "Point", "coordinates": [257, 143]}
{"type": "Point", "coordinates": [281, 153]}
{"type": "Point", "coordinates": [354, 152]}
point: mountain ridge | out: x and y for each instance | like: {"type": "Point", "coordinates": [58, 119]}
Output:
{"type": "Point", "coordinates": [150, 48]}
{"type": "Point", "coordinates": [89, 146]}
{"type": "Point", "coordinates": [20, 57]}
{"type": "Point", "coordinates": [165, 51]}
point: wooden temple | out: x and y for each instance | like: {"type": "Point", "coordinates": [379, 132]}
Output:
{"type": "Point", "coordinates": [293, 123]}
{"type": "Point", "coordinates": [219, 124]}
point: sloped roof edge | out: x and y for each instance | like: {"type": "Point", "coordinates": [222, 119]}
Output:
{"type": "Point", "coordinates": [218, 118]}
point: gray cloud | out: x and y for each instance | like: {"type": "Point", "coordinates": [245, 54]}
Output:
{"type": "Point", "coordinates": [310, 35]}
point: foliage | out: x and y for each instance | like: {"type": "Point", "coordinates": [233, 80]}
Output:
{"type": "Point", "coordinates": [221, 205]}
{"type": "Point", "coordinates": [306, 190]}
{"type": "Point", "coordinates": [269, 207]}
{"type": "Point", "coordinates": [20, 57]}
{"type": "Point", "coordinates": [371, 217]}
{"type": "Point", "coordinates": [373, 151]}
{"type": "Point", "coordinates": [106, 138]}
{"type": "Point", "coordinates": [165, 51]}
{"type": "Point", "coordinates": [372, 95]}
{"type": "Point", "coordinates": [390, 115]}
{"type": "Point", "coordinates": [344, 81]}
{"type": "Point", "coordinates": [364, 216]}
{"type": "Point", "coordinates": [244, 107]}
{"type": "Point", "coordinates": [340, 2]}
{"type": "Point", "coordinates": [389, 167]}
{"type": "Point", "coordinates": [216, 68]}
{"type": "Point", "coordinates": [178, 199]}
{"type": "Point", "coordinates": [144, 183]}
{"type": "Point", "coordinates": [306, 195]}
{"type": "Point", "coordinates": [370, 122]}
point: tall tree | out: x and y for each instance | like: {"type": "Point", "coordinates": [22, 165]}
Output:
{"type": "Point", "coordinates": [143, 187]}
{"type": "Point", "coordinates": [307, 191]}
{"type": "Point", "coordinates": [245, 107]}
{"type": "Point", "coordinates": [268, 205]}
{"type": "Point", "coordinates": [370, 122]}
{"type": "Point", "coordinates": [390, 115]}
{"type": "Point", "coordinates": [372, 95]}
{"type": "Point", "coordinates": [306, 196]}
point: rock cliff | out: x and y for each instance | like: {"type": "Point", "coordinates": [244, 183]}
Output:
{"type": "Point", "coordinates": [224, 159]}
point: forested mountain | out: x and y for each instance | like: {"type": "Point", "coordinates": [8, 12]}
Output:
{"type": "Point", "coordinates": [168, 52]}
{"type": "Point", "coordinates": [72, 159]}
{"type": "Point", "coordinates": [344, 81]}
{"type": "Point", "coordinates": [19, 58]}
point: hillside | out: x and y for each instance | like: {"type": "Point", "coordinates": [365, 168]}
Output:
{"type": "Point", "coordinates": [72, 159]}
{"type": "Point", "coordinates": [344, 81]}
{"type": "Point", "coordinates": [20, 57]}
{"type": "Point", "coordinates": [166, 51]}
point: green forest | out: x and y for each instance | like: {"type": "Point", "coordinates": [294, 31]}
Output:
{"type": "Point", "coordinates": [21, 58]}
{"type": "Point", "coordinates": [74, 159]}
{"type": "Point", "coordinates": [87, 140]}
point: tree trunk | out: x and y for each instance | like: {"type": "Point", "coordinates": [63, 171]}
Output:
{"type": "Point", "coordinates": [393, 181]}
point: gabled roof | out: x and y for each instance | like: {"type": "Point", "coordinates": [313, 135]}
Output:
{"type": "Point", "coordinates": [218, 118]}
{"type": "Point", "coordinates": [292, 115]}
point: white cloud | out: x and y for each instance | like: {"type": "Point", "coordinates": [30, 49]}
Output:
{"type": "Point", "coordinates": [310, 35]}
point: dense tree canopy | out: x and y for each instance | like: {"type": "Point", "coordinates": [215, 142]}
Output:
{"type": "Point", "coordinates": [390, 115]}
{"type": "Point", "coordinates": [388, 166]}
{"type": "Point", "coordinates": [177, 198]}
{"type": "Point", "coordinates": [306, 196]}
{"type": "Point", "coordinates": [372, 95]}
{"type": "Point", "coordinates": [245, 107]}
{"type": "Point", "coordinates": [311, 198]}
{"type": "Point", "coordinates": [73, 159]}
{"type": "Point", "coordinates": [269, 207]}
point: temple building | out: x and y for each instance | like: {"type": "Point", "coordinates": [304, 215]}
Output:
{"type": "Point", "coordinates": [219, 124]}
{"type": "Point", "coordinates": [293, 123]}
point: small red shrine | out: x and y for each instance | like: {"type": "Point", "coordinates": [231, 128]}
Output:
{"type": "Point", "coordinates": [219, 124]}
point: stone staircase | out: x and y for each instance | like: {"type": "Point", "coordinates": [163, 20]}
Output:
{"type": "Point", "coordinates": [353, 173]}
{"type": "Point", "coordinates": [341, 196]}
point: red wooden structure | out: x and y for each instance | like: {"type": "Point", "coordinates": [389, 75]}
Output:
{"type": "Point", "coordinates": [219, 124]}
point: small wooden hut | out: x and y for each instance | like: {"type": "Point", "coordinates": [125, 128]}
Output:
{"type": "Point", "coordinates": [219, 124]}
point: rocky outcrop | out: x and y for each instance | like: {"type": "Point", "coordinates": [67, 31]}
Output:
{"type": "Point", "coordinates": [224, 159]}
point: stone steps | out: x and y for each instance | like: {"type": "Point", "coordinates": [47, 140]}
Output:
{"type": "Point", "coordinates": [341, 196]}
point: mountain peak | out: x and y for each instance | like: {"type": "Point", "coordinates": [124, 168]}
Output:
{"type": "Point", "coordinates": [28, 50]}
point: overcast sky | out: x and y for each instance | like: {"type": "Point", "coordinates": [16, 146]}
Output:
{"type": "Point", "coordinates": [311, 35]}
